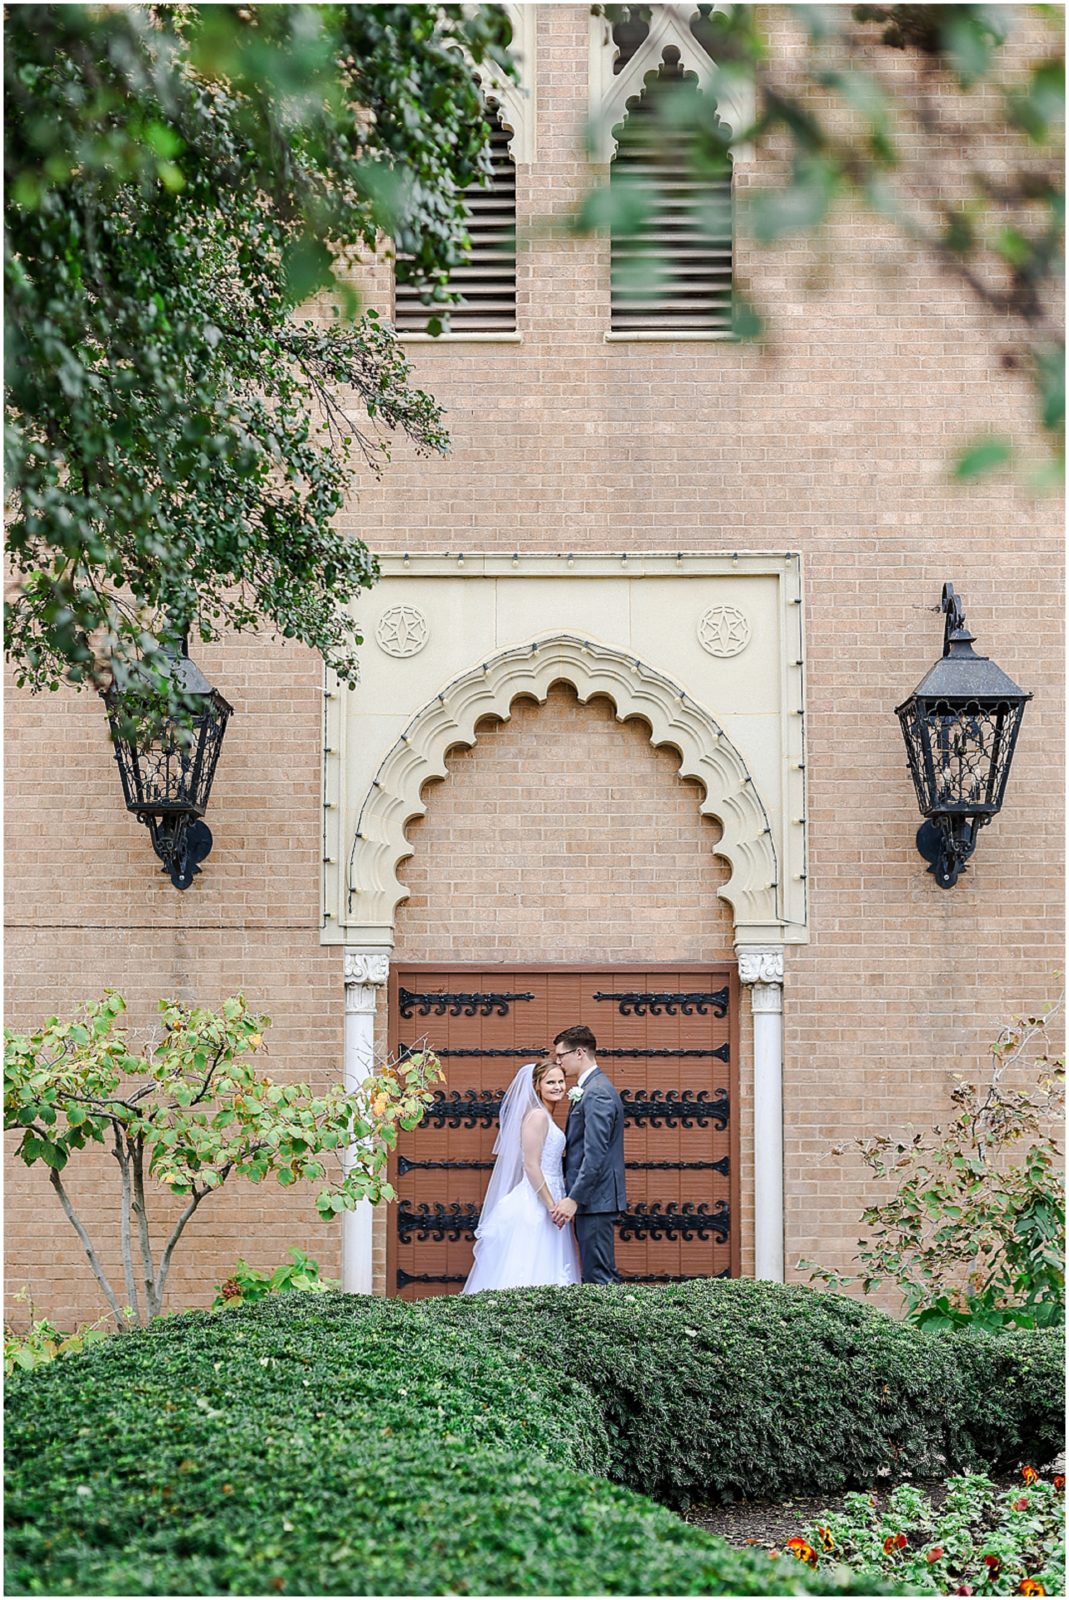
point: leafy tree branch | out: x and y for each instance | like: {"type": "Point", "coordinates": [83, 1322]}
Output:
{"type": "Point", "coordinates": [179, 440]}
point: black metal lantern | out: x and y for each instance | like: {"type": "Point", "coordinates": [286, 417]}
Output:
{"type": "Point", "coordinates": [167, 768]}
{"type": "Point", "coordinates": [960, 725]}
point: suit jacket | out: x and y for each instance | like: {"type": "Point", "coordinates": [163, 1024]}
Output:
{"type": "Point", "coordinates": [594, 1156]}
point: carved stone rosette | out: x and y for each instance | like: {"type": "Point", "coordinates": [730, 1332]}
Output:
{"type": "Point", "coordinates": [761, 967]}
{"type": "Point", "coordinates": [365, 973]}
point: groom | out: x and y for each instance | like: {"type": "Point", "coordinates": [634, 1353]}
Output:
{"type": "Point", "coordinates": [594, 1157]}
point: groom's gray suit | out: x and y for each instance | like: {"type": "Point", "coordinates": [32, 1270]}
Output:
{"type": "Point", "coordinates": [594, 1174]}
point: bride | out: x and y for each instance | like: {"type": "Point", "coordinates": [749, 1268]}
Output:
{"type": "Point", "coordinates": [517, 1243]}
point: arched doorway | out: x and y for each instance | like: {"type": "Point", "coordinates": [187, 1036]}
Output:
{"type": "Point", "coordinates": [562, 872]}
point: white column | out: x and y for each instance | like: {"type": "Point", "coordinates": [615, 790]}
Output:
{"type": "Point", "coordinates": [761, 967]}
{"type": "Point", "coordinates": [365, 973]}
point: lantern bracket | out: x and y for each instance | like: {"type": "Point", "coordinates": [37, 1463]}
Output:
{"type": "Point", "coordinates": [181, 843]}
{"type": "Point", "coordinates": [946, 843]}
{"type": "Point", "coordinates": [955, 616]}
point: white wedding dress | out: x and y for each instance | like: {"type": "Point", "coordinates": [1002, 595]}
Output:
{"type": "Point", "coordinates": [517, 1243]}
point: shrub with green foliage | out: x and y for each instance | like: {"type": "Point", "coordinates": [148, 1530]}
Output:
{"type": "Point", "coordinates": [745, 1388]}
{"type": "Point", "coordinates": [334, 1444]}
{"type": "Point", "coordinates": [973, 1230]}
{"type": "Point", "coordinates": [43, 1342]}
{"type": "Point", "coordinates": [246, 1285]}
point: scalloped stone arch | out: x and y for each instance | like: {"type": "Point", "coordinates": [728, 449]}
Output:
{"type": "Point", "coordinates": [515, 101]}
{"type": "Point", "coordinates": [669, 27]}
{"type": "Point", "coordinates": [636, 690]}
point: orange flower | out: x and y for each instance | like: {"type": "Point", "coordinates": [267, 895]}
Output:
{"type": "Point", "coordinates": [993, 1565]}
{"type": "Point", "coordinates": [934, 1554]}
{"type": "Point", "coordinates": [1029, 1474]}
{"type": "Point", "coordinates": [826, 1540]}
{"type": "Point", "coordinates": [894, 1541]}
{"type": "Point", "coordinates": [1058, 1480]}
{"type": "Point", "coordinates": [1031, 1586]}
{"type": "Point", "coordinates": [802, 1549]}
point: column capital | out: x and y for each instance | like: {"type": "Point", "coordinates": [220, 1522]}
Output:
{"type": "Point", "coordinates": [366, 970]}
{"type": "Point", "coordinates": [761, 966]}
{"type": "Point", "coordinates": [760, 963]}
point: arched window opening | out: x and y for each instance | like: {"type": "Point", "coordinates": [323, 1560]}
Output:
{"type": "Point", "coordinates": [672, 238]}
{"type": "Point", "coordinates": [486, 282]}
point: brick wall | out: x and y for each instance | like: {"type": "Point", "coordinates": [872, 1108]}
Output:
{"type": "Point", "coordinates": [833, 440]}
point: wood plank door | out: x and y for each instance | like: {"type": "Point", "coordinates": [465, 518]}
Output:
{"type": "Point", "coordinates": [668, 1038]}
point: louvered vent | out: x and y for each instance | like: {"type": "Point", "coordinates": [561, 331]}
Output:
{"type": "Point", "coordinates": [487, 281]}
{"type": "Point", "coordinates": [671, 273]}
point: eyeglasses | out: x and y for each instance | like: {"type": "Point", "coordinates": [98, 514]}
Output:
{"type": "Point", "coordinates": [559, 1055]}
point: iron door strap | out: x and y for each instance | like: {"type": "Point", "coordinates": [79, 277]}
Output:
{"type": "Point", "coordinates": [439, 1002]}
{"type": "Point", "coordinates": [669, 1003]}
{"type": "Point", "coordinates": [643, 1221]}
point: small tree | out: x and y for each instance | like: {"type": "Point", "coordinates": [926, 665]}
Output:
{"type": "Point", "coordinates": [974, 1230]}
{"type": "Point", "coordinates": [191, 1112]}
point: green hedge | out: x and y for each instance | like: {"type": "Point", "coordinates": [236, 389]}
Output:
{"type": "Point", "coordinates": [742, 1388]}
{"type": "Point", "coordinates": [335, 1444]}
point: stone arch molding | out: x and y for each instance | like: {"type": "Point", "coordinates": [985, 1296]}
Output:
{"type": "Point", "coordinates": [669, 27]}
{"type": "Point", "coordinates": [636, 690]}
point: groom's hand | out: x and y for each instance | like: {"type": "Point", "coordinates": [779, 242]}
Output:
{"type": "Point", "coordinates": [564, 1211]}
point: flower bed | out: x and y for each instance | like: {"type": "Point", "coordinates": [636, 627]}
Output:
{"type": "Point", "coordinates": [336, 1444]}
{"type": "Point", "coordinates": [978, 1542]}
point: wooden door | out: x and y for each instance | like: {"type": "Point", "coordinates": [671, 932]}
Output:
{"type": "Point", "coordinates": [668, 1038]}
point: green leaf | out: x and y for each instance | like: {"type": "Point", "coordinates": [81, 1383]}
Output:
{"type": "Point", "coordinates": [982, 457]}
{"type": "Point", "coordinates": [307, 265]}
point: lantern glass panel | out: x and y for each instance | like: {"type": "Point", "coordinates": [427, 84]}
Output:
{"type": "Point", "coordinates": [168, 769]}
{"type": "Point", "coordinates": [960, 754]}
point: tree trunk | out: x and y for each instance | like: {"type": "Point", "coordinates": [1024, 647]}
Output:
{"type": "Point", "coordinates": [75, 1221]}
{"type": "Point", "coordinates": [179, 1228]}
{"type": "Point", "coordinates": [152, 1304]}
{"type": "Point", "coordinates": [123, 1159]}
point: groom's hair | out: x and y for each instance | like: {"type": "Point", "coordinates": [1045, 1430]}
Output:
{"type": "Point", "coordinates": [578, 1038]}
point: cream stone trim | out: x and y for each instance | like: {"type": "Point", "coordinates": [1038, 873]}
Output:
{"type": "Point", "coordinates": [636, 690]}
{"type": "Point", "coordinates": [670, 336]}
{"type": "Point", "coordinates": [761, 965]}
{"type": "Point", "coordinates": [365, 971]}
{"type": "Point", "coordinates": [761, 970]}
{"type": "Point", "coordinates": [461, 338]}
{"type": "Point", "coordinates": [609, 93]}
{"type": "Point", "coordinates": [517, 100]}
{"type": "Point", "coordinates": [498, 620]}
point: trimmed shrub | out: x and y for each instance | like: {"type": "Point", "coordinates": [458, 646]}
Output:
{"type": "Point", "coordinates": [731, 1388]}
{"type": "Point", "coordinates": [330, 1444]}
{"type": "Point", "coordinates": [338, 1445]}
{"type": "Point", "coordinates": [405, 1517]}
{"type": "Point", "coordinates": [1013, 1396]}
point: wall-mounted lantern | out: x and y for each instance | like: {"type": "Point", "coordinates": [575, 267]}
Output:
{"type": "Point", "coordinates": [960, 725]}
{"type": "Point", "coordinates": [167, 767]}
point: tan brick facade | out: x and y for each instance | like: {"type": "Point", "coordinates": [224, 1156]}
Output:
{"type": "Point", "coordinates": [562, 835]}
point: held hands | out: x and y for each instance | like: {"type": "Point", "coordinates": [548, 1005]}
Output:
{"type": "Point", "coordinates": [563, 1211]}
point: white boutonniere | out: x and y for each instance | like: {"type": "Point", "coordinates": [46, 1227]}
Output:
{"type": "Point", "coordinates": [575, 1095]}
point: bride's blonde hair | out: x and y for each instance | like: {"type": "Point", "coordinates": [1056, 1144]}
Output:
{"type": "Point", "coordinates": [538, 1076]}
